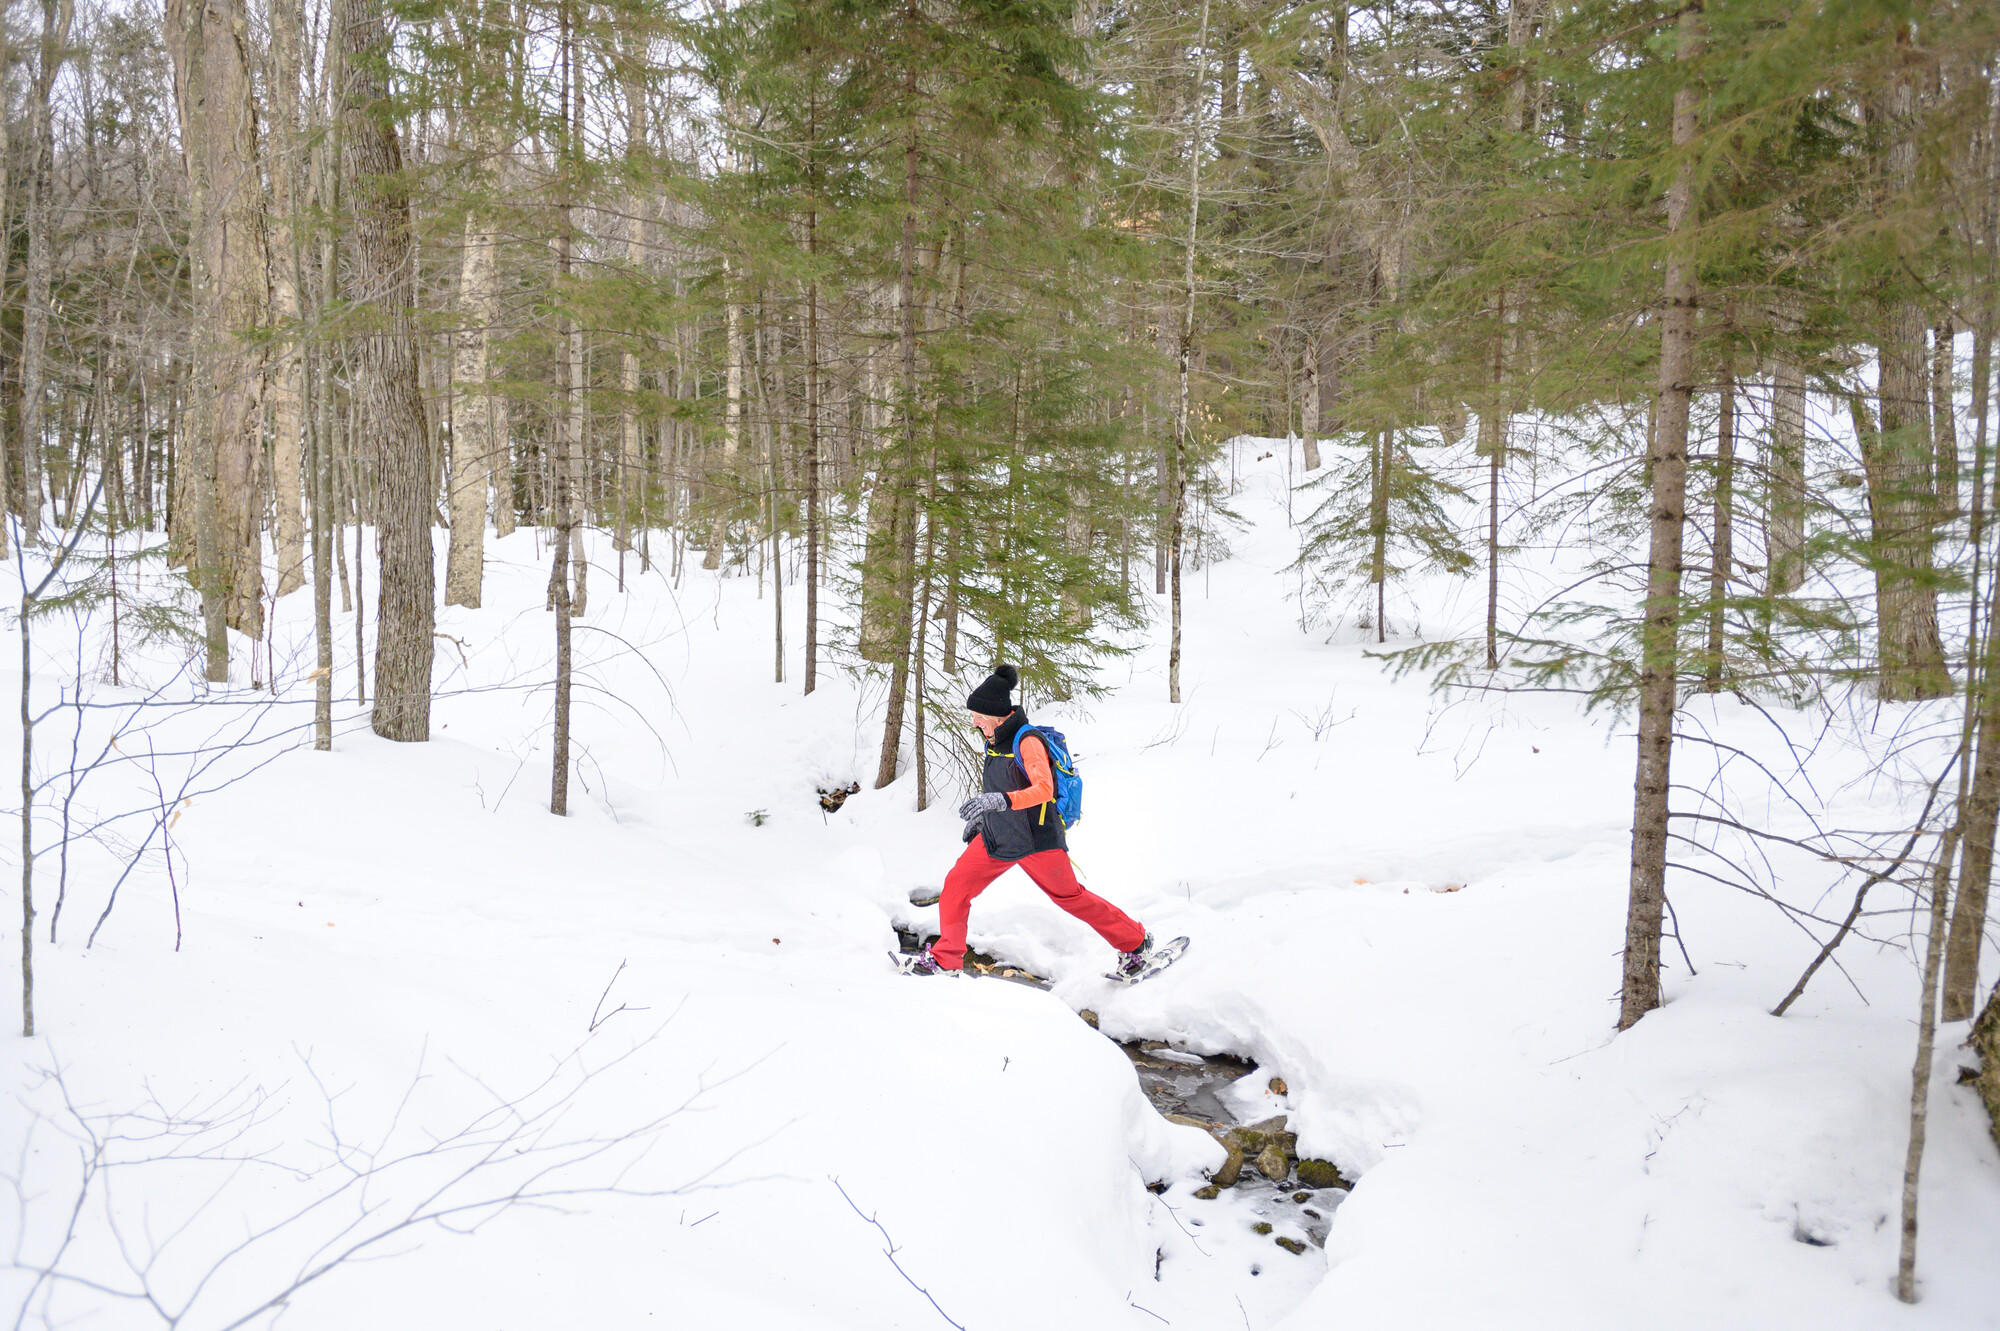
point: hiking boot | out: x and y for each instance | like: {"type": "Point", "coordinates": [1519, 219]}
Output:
{"type": "Point", "coordinates": [1131, 963]}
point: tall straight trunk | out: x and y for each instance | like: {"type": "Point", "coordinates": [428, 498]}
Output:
{"type": "Point", "coordinates": [732, 421]}
{"type": "Point", "coordinates": [388, 395]}
{"type": "Point", "coordinates": [1182, 413]}
{"type": "Point", "coordinates": [322, 556]}
{"type": "Point", "coordinates": [7, 247]}
{"type": "Point", "coordinates": [1785, 496]}
{"type": "Point", "coordinates": [904, 579]}
{"type": "Point", "coordinates": [41, 262]}
{"type": "Point", "coordinates": [922, 648]}
{"type": "Point", "coordinates": [1164, 469]}
{"type": "Point", "coordinates": [812, 459]}
{"type": "Point", "coordinates": [631, 450]}
{"type": "Point", "coordinates": [1309, 406]}
{"type": "Point", "coordinates": [1380, 443]}
{"type": "Point", "coordinates": [1899, 461]}
{"type": "Point", "coordinates": [471, 429]}
{"type": "Point", "coordinates": [1660, 640]}
{"type": "Point", "coordinates": [288, 367]}
{"type": "Point", "coordinates": [1492, 445]}
{"type": "Point", "coordinates": [1982, 805]}
{"type": "Point", "coordinates": [230, 276]}
{"type": "Point", "coordinates": [1920, 1071]}
{"type": "Point", "coordinates": [559, 473]}
{"type": "Point", "coordinates": [1944, 416]}
{"type": "Point", "coordinates": [1722, 555]}
{"type": "Point", "coordinates": [579, 464]}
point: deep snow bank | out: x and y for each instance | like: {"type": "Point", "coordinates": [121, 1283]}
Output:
{"type": "Point", "coordinates": [391, 908]}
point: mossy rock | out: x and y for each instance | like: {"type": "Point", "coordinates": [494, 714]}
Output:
{"type": "Point", "coordinates": [1273, 1164]}
{"type": "Point", "coordinates": [1292, 1246]}
{"type": "Point", "coordinates": [1254, 1141]}
{"type": "Point", "coordinates": [1262, 1226]}
{"type": "Point", "coordinates": [1320, 1174]}
{"type": "Point", "coordinates": [1232, 1168]}
{"type": "Point", "coordinates": [1209, 1193]}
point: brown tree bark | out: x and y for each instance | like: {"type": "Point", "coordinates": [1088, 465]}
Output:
{"type": "Point", "coordinates": [50, 51]}
{"type": "Point", "coordinates": [471, 427]}
{"type": "Point", "coordinates": [388, 397]}
{"type": "Point", "coordinates": [1785, 495]}
{"type": "Point", "coordinates": [1660, 640]}
{"type": "Point", "coordinates": [1898, 458]}
{"type": "Point", "coordinates": [230, 278]}
{"type": "Point", "coordinates": [1722, 554]}
{"type": "Point", "coordinates": [906, 507]}
{"type": "Point", "coordinates": [287, 372]}
{"type": "Point", "coordinates": [1309, 406]}
{"type": "Point", "coordinates": [1182, 419]}
{"type": "Point", "coordinates": [1982, 803]}
{"type": "Point", "coordinates": [1985, 1041]}
{"type": "Point", "coordinates": [1944, 417]}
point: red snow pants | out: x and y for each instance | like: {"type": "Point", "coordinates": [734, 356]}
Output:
{"type": "Point", "coordinates": [1052, 873]}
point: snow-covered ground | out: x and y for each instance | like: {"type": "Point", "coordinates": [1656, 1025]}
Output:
{"type": "Point", "coordinates": [1409, 908]}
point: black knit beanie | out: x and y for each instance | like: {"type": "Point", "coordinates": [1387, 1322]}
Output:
{"type": "Point", "coordinates": [995, 696]}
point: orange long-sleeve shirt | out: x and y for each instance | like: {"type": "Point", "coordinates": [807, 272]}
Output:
{"type": "Point", "coordinates": [1041, 781]}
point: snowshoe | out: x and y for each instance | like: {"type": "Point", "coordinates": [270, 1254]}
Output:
{"type": "Point", "coordinates": [1147, 960]}
{"type": "Point", "coordinates": [919, 963]}
{"type": "Point", "coordinates": [926, 896]}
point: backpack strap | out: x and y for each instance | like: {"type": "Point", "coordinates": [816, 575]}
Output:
{"type": "Point", "coordinates": [1048, 751]}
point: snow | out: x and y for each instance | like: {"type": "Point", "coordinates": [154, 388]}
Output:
{"type": "Point", "coordinates": [1408, 907]}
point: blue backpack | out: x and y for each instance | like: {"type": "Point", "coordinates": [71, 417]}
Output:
{"type": "Point", "coordinates": [1069, 785]}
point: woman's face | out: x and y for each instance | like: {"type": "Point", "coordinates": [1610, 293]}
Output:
{"type": "Point", "coordinates": [987, 724]}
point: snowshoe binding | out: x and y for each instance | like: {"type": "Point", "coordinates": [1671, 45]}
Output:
{"type": "Point", "coordinates": [1147, 960]}
{"type": "Point", "coordinates": [919, 963]}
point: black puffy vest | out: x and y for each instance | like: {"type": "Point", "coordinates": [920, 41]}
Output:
{"type": "Point", "coordinates": [1012, 834]}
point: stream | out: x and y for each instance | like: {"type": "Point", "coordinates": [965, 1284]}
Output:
{"type": "Point", "coordinates": [1191, 1088]}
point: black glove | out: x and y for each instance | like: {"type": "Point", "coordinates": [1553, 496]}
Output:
{"type": "Point", "coordinates": [980, 805]}
{"type": "Point", "coordinates": [972, 826]}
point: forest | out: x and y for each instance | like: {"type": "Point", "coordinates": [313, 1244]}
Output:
{"type": "Point", "coordinates": [1628, 357]}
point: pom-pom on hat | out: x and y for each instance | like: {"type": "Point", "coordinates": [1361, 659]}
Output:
{"type": "Point", "coordinates": [995, 697]}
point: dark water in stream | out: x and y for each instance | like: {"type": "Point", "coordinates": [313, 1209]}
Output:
{"type": "Point", "coordinates": [1191, 1085]}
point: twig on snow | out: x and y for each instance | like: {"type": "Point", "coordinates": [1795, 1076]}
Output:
{"type": "Point", "coordinates": [595, 1020]}
{"type": "Point", "coordinates": [891, 1250]}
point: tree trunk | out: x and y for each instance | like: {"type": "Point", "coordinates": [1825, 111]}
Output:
{"type": "Point", "coordinates": [1920, 1072]}
{"type": "Point", "coordinates": [732, 424]}
{"type": "Point", "coordinates": [471, 429]}
{"type": "Point", "coordinates": [559, 469]}
{"type": "Point", "coordinates": [1899, 458]}
{"type": "Point", "coordinates": [1982, 805]}
{"type": "Point", "coordinates": [1492, 445]}
{"type": "Point", "coordinates": [1985, 1041]}
{"type": "Point", "coordinates": [631, 452]}
{"type": "Point", "coordinates": [1181, 414]}
{"type": "Point", "coordinates": [579, 461]}
{"type": "Point", "coordinates": [41, 263]}
{"type": "Point", "coordinates": [1785, 497]}
{"type": "Point", "coordinates": [1380, 442]}
{"type": "Point", "coordinates": [812, 462]}
{"type": "Point", "coordinates": [288, 369]}
{"type": "Point", "coordinates": [1944, 416]}
{"type": "Point", "coordinates": [387, 391]}
{"type": "Point", "coordinates": [230, 274]}
{"type": "Point", "coordinates": [1309, 406]}
{"type": "Point", "coordinates": [1722, 554]}
{"type": "Point", "coordinates": [905, 499]}
{"type": "Point", "coordinates": [1660, 645]}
